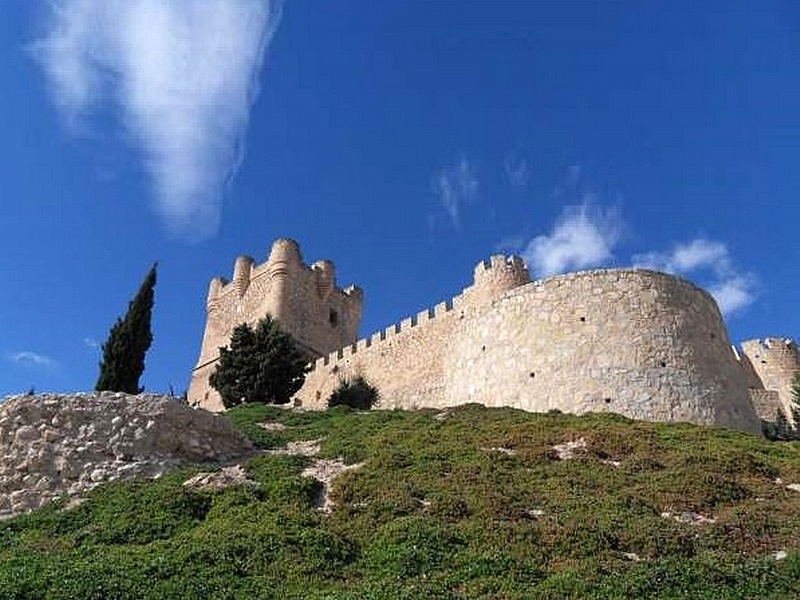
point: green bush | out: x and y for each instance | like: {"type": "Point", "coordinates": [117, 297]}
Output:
{"type": "Point", "coordinates": [357, 393]}
{"type": "Point", "coordinates": [262, 364]}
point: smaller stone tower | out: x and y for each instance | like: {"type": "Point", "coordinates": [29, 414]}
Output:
{"type": "Point", "coordinates": [306, 301]}
{"type": "Point", "coordinates": [496, 276]}
{"type": "Point", "coordinates": [770, 365]}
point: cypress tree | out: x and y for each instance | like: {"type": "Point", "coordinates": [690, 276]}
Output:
{"type": "Point", "coordinates": [128, 341]}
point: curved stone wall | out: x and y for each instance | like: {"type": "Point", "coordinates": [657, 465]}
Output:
{"type": "Point", "coordinates": [641, 343]}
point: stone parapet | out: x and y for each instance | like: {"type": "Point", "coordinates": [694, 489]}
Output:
{"type": "Point", "coordinates": [640, 343]}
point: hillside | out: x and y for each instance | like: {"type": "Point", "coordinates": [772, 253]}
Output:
{"type": "Point", "coordinates": [462, 503]}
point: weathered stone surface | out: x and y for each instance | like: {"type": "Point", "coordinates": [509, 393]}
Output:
{"type": "Point", "coordinates": [305, 299]}
{"type": "Point", "coordinates": [54, 445]}
{"type": "Point", "coordinates": [217, 480]}
{"type": "Point", "coordinates": [771, 365]}
{"type": "Point", "coordinates": [641, 343]}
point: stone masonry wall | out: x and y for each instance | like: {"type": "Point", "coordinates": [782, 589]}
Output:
{"type": "Point", "coordinates": [406, 361]}
{"type": "Point", "coordinates": [63, 445]}
{"type": "Point", "coordinates": [304, 299]}
{"type": "Point", "coordinates": [775, 362]}
{"type": "Point", "coordinates": [766, 403]}
{"type": "Point", "coordinates": [640, 343]}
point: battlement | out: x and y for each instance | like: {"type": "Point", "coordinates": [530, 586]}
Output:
{"type": "Point", "coordinates": [401, 328]}
{"type": "Point", "coordinates": [499, 263]}
{"type": "Point", "coordinates": [305, 300]}
{"type": "Point", "coordinates": [641, 343]}
{"type": "Point", "coordinates": [491, 279]}
{"type": "Point", "coordinates": [781, 352]}
{"type": "Point", "coordinates": [284, 259]}
{"type": "Point", "coordinates": [786, 346]}
{"type": "Point", "coordinates": [498, 274]}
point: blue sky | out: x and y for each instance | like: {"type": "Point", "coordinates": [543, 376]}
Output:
{"type": "Point", "coordinates": [404, 140]}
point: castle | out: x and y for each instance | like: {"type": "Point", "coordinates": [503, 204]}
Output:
{"type": "Point", "coordinates": [641, 343]}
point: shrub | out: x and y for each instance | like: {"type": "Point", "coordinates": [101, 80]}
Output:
{"type": "Point", "coordinates": [781, 430]}
{"type": "Point", "coordinates": [262, 364]}
{"type": "Point", "coordinates": [357, 393]}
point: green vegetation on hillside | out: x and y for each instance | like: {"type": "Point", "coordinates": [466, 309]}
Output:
{"type": "Point", "coordinates": [464, 503]}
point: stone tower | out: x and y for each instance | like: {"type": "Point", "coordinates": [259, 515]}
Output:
{"type": "Point", "coordinates": [496, 276]}
{"type": "Point", "coordinates": [770, 365]}
{"type": "Point", "coordinates": [305, 300]}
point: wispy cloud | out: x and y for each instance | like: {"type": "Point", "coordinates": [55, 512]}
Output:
{"type": "Point", "coordinates": [184, 74]}
{"type": "Point", "coordinates": [26, 357]}
{"type": "Point", "coordinates": [455, 187]}
{"type": "Point", "coordinates": [684, 258]}
{"type": "Point", "coordinates": [583, 236]}
{"type": "Point", "coordinates": [517, 170]}
{"type": "Point", "coordinates": [91, 343]}
{"type": "Point", "coordinates": [710, 263]}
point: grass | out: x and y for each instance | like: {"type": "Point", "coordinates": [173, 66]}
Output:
{"type": "Point", "coordinates": [468, 503]}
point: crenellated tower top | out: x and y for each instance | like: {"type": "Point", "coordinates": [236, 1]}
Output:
{"type": "Point", "coordinates": [497, 275]}
{"type": "Point", "coordinates": [305, 300]}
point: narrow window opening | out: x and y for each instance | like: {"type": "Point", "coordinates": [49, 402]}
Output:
{"type": "Point", "coordinates": [583, 319]}
{"type": "Point", "coordinates": [607, 400]}
{"type": "Point", "coordinates": [483, 348]}
{"type": "Point", "coordinates": [333, 318]}
{"type": "Point", "coordinates": [663, 364]}
{"type": "Point", "coordinates": [532, 375]}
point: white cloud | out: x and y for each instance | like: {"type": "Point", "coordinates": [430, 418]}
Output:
{"type": "Point", "coordinates": [733, 294]}
{"type": "Point", "coordinates": [455, 187]}
{"type": "Point", "coordinates": [183, 73]}
{"type": "Point", "coordinates": [91, 343]}
{"type": "Point", "coordinates": [685, 258]}
{"type": "Point", "coordinates": [583, 236]}
{"type": "Point", "coordinates": [26, 357]}
{"type": "Point", "coordinates": [710, 263]}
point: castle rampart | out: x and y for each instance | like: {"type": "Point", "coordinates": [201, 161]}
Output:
{"type": "Point", "coordinates": [636, 342]}
{"type": "Point", "coordinates": [640, 343]}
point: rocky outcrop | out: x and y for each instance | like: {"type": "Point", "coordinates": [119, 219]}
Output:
{"type": "Point", "coordinates": [56, 445]}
